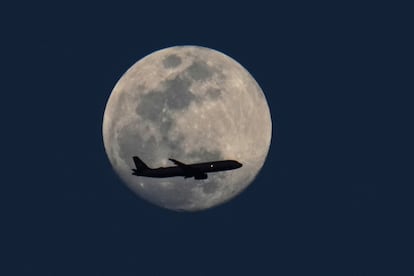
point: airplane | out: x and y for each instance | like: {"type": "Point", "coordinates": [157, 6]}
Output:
{"type": "Point", "coordinates": [198, 170]}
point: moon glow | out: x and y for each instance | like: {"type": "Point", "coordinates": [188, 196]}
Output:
{"type": "Point", "coordinates": [193, 104]}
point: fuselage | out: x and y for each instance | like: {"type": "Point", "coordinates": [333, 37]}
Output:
{"type": "Point", "coordinates": [190, 169]}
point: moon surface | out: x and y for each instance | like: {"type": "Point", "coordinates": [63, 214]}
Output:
{"type": "Point", "coordinates": [193, 104]}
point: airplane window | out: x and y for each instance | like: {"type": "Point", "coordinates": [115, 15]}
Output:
{"type": "Point", "coordinates": [211, 165]}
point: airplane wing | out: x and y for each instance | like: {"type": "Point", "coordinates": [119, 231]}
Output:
{"type": "Point", "coordinates": [191, 171]}
{"type": "Point", "coordinates": [180, 164]}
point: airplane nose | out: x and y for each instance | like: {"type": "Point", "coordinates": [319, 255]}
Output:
{"type": "Point", "coordinates": [238, 165]}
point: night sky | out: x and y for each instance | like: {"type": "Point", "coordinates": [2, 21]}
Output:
{"type": "Point", "coordinates": [321, 205]}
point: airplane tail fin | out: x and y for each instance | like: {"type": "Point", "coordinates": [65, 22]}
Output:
{"type": "Point", "coordinates": [139, 164]}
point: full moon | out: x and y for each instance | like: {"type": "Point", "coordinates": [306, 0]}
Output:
{"type": "Point", "coordinates": [195, 105]}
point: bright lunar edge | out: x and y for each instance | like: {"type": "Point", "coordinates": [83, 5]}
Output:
{"type": "Point", "coordinates": [193, 104]}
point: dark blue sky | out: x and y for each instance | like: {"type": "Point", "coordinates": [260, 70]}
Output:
{"type": "Point", "coordinates": [320, 206]}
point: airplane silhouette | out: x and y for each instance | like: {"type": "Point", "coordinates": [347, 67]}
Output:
{"type": "Point", "coordinates": [198, 170]}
